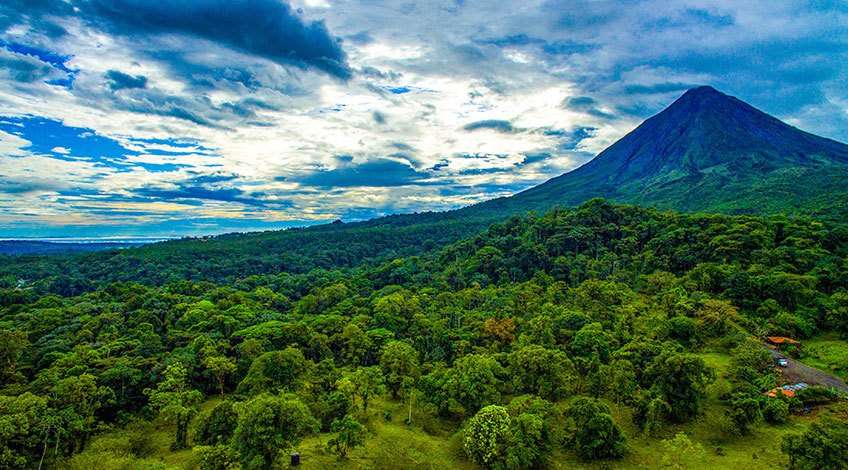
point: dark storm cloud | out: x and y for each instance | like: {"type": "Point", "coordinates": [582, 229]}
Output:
{"type": "Point", "coordinates": [658, 88]}
{"type": "Point", "coordinates": [23, 68]}
{"type": "Point", "coordinates": [586, 104]}
{"type": "Point", "coordinates": [379, 117]}
{"type": "Point", "coordinates": [493, 124]}
{"type": "Point", "coordinates": [535, 157]}
{"type": "Point", "coordinates": [122, 81]}
{"type": "Point", "coordinates": [372, 173]}
{"type": "Point", "coordinates": [196, 192]}
{"type": "Point", "coordinates": [214, 187]}
{"type": "Point", "coordinates": [264, 28]}
{"type": "Point", "coordinates": [16, 186]}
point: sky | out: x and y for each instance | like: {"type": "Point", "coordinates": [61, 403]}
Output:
{"type": "Point", "coordinates": [139, 118]}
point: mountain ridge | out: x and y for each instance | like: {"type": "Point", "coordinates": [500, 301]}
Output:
{"type": "Point", "coordinates": [703, 143]}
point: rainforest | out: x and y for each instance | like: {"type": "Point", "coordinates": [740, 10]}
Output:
{"type": "Point", "coordinates": [601, 333]}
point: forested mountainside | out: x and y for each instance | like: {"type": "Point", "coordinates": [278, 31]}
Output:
{"type": "Point", "coordinates": [35, 247]}
{"type": "Point", "coordinates": [230, 257]}
{"type": "Point", "coordinates": [599, 333]}
{"type": "Point", "coordinates": [707, 152]}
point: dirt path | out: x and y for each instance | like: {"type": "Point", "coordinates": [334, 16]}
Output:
{"type": "Point", "coordinates": [799, 372]}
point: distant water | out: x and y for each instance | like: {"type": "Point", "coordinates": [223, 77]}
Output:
{"type": "Point", "coordinates": [87, 240]}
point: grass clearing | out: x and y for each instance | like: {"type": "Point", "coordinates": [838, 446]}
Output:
{"type": "Point", "coordinates": [827, 352]}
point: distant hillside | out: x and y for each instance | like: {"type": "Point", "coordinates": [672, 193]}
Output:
{"type": "Point", "coordinates": [225, 258]}
{"type": "Point", "coordinates": [707, 152]}
{"type": "Point", "coordinates": [35, 247]}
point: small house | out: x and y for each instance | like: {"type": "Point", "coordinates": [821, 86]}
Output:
{"type": "Point", "coordinates": [787, 390]}
{"type": "Point", "coordinates": [782, 341]}
{"type": "Point", "coordinates": [773, 393]}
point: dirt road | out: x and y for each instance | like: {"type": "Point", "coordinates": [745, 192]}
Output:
{"type": "Point", "coordinates": [798, 372]}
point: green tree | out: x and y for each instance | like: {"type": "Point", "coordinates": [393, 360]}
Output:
{"type": "Point", "coordinates": [824, 445]}
{"type": "Point", "coordinates": [275, 371]}
{"type": "Point", "coordinates": [77, 400]}
{"type": "Point", "coordinates": [595, 434]}
{"type": "Point", "coordinates": [268, 425]}
{"type": "Point", "coordinates": [528, 442]}
{"type": "Point", "coordinates": [487, 435]}
{"type": "Point", "coordinates": [776, 410]}
{"type": "Point", "coordinates": [753, 366]}
{"type": "Point", "coordinates": [25, 427]}
{"type": "Point", "coordinates": [620, 381]}
{"type": "Point", "coordinates": [220, 367]}
{"type": "Point", "coordinates": [474, 381]}
{"type": "Point", "coordinates": [349, 435]}
{"type": "Point", "coordinates": [399, 361]}
{"type": "Point", "coordinates": [217, 425]}
{"type": "Point", "coordinates": [544, 372]}
{"type": "Point", "coordinates": [176, 401]}
{"type": "Point", "coordinates": [744, 411]}
{"type": "Point", "coordinates": [217, 457]}
{"type": "Point", "coordinates": [680, 380]}
{"type": "Point", "coordinates": [364, 382]}
{"type": "Point", "coordinates": [355, 345]}
{"type": "Point", "coordinates": [395, 311]}
{"type": "Point", "coordinates": [12, 344]}
{"type": "Point", "coordinates": [837, 312]}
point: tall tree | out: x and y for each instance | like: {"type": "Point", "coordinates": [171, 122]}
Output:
{"type": "Point", "coordinates": [681, 380]}
{"type": "Point", "coordinates": [174, 398]}
{"type": "Point", "coordinates": [220, 367]}
{"type": "Point", "coordinates": [399, 361]}
{"type": "Point", "coordinates": [595, 434]}
{"type": "Point", "coordinates": [268, 425]}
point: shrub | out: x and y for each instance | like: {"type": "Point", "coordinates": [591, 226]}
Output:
{"type": "Point", "coordinates": [744, 411]}
{"type": "Point", "coordinates": [486, 436]}
{"type": "Point", "coordinates": [217, 457]}
{"type": "Point", "coordinates": [823, 445]}
{"type": "Point", "coordinates": [817, 395]}
{"type": "Point", "coordinates": [776, 411]}
{"type": "Point", "coordinates": [349, 435]}
{"type": "Point", "coordinates": [217, 425]}
{"type": "Point", "coordinates": [596, 436]}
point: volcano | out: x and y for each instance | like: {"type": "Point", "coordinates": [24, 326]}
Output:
{"type": "Point", "coordinates": [707, 152]}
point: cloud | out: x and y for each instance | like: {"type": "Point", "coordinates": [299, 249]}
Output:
{"type": "Point", "coordinates": [23, 68]}
{"type": "Point", "coordinates": [498, 125]}
{"type": "Point", "coordinates": [29, 64]}
{"type": "Point", "coordinates": [588, 105]}
{"type": "Point", "coordinates": [371, 173]}
{"type": "Point", "coordinates": [535, 157]}
{"type": "Point", "coordinates": [248, 105]}
{"type": "Point", "coordinates": [197, 193]}
{"type": "Point", "coordinates": [658, 88]}
{"type": "Point", "coordinates": [570, 140]}
{"type": "Point", "coordinates": [264, 28]}
{"type": "Point", "coordinates": [16, 186]}
{"type": "Point", "coordinates": [122, 81]}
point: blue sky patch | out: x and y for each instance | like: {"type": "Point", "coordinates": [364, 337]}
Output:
{"type": "Point", "coordinates": [46, 136]}
{"type": "Point", "coordinates": [55, 60]}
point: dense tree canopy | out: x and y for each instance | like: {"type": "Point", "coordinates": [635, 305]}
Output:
{"type": "Point", "coordinates": [546, 323]}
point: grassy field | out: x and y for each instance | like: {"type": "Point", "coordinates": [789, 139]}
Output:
{"type": "Point", "coordinates": [394, 445]}
{"type": "Point", "coordinates": [828, 353]}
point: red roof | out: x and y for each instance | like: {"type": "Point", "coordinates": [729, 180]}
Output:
{"type": "Point", "coordinates": [781, 340]}
{"type": "Point", "coordinates": [773, 392]}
